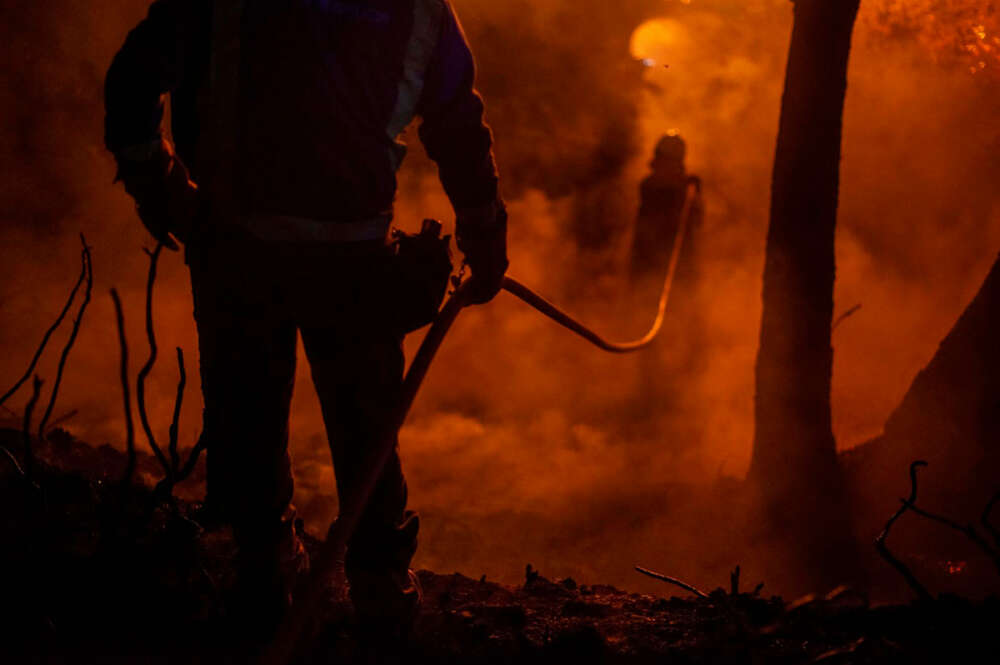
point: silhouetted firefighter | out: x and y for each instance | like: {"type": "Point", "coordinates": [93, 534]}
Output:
{"type": "Point", "coordinates": [662, 195]}
{"type": "Point", "coordinates": [288, 115]}
{"type": "Point", "coordinates": [669, 364]}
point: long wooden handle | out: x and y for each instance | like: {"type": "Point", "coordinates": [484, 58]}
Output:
{"type": "Point", "coordinates": [328, 566]}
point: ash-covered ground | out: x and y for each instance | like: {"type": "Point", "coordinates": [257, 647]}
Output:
{"type": "Point", "coordinates": [97, 572]}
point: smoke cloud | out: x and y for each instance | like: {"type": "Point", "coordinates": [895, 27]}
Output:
{"type": "Point", "coordinates": [527, 444]}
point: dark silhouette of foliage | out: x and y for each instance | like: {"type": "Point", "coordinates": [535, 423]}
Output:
{"type": "Point", "coordinates": [174, 467]}
{"type": "Point", "coordinates": [84, 272]}
{"type": "Point", "coordinates": [77, 322]}
{"type": "Point", "coordinates": [991, 550]}
{"type": "Point", "coordinates": [126, 394]}
{"type": "Point", "coordinates": [140, 389]}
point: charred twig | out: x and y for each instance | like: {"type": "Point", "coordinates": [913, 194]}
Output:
{"type": "Point", "coordinates": [969, 531]}
{"type": "Point", "coordinates": [178, 473]}
{"type": "Point", "coordinates": [192, 460]}
{"type": "Point", "coordinates": [985, 519]}
{"type": "Point", "coordinates": [88, 264]}
{"type": "Point", "coordinates": [883, 549]}
{"type": "Point", "coordinates": [671, 580]}
{"type": "Point", "coordinates": [846, 315]}
{"type": "Point", "coordinates": [140, 389]}
{"type": "Point", "coordinates": [126, 396]}
{"type": "Point", "coordinates": [52, 328]}
{"type": "Point", "coordinates": [13, 461]}
{"type": "Point", "coordinates": [174, 471]}
{"type": "Point", "coordinates": [29, 456]}
{"type": "Point", "coordinates": [734, 582]}
{"type": "Point", "coordinates": [175, 460]}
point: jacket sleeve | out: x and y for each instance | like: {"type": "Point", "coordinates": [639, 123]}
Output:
{"type": "Point", "coordinates": [453, 129]}
{"type": "Point", "coordinates": [147, 67]}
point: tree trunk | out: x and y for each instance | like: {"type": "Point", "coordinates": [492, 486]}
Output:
{"type": "Point", "coordinates": [950, 416]}
{"type": "Point", "coordinates": [954, 403]}
{"type": "Point", "coordinates": [794, 461]}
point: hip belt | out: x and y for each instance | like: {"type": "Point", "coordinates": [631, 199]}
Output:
{"type": "Point", "coordinates": [287, 228]}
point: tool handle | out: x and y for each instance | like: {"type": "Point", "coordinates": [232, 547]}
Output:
{"type": "Point", "coordinates": [328, 566]}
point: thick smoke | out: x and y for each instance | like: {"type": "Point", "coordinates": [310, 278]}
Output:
{"type": "Point", "coordinates": [527, 444]}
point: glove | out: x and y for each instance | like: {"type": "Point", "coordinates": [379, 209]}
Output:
{"type": "Point", "coordinates": [167, 201]}
{"type": "Point", "coordinates": [481, 235]}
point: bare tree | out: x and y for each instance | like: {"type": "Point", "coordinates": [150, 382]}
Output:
{"type": "Point", "coordinates": [794, 459]}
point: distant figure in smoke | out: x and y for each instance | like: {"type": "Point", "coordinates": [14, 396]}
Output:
{"type": "Point", "coordinates": [662, 196]}
{"type": "Point", "coordinates": [287, 116]}
{"type": "Point", "coordinates": [672, 361]}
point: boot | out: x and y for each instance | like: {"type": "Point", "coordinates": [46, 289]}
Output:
{"type": "Point", "coordinates": [385, 593]}
{"type": "Point", "coordinates": [268, 568]}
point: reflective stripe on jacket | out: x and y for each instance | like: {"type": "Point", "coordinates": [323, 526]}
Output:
{"type": "Point", "coordinates": [325, 89]}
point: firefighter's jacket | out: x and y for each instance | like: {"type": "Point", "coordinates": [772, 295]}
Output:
{"type": "Point", "coordinates": [324, 91]}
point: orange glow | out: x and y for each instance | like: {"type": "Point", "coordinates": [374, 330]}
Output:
{"type": "Point", "coordinates": [525, 444]}
{"type": "Point", "coordinates": [656, 38]}
{"type": "Point", "coordinates": [955, 567]}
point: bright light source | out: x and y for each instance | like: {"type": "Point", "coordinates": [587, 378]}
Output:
{"type": "Point", "coordinates": [654, 40]}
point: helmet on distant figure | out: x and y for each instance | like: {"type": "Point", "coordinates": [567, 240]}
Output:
{"type": "Point", "coordinates": [671, 149]}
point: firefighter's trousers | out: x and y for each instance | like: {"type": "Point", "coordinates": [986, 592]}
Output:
{"type": "Point", "coordinates": [251, 299]}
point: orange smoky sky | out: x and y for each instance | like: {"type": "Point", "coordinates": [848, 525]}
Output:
{"type": "Point", "coordinates": [524, 444]}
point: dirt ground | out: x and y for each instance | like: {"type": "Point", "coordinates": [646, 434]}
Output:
{"type": "Point", "coordinates": [98, 574]}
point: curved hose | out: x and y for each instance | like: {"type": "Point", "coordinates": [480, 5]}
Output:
{"type": "Point", "coordinates": [521, 291]}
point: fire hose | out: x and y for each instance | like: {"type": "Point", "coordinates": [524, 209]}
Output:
{"type": "Point", "coordinates": [328, 567]}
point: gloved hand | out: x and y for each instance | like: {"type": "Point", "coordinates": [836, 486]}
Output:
{"type": "Point", "coordinates": [482, 237]}
{"type": "Point", "coordinates": [167, 201]}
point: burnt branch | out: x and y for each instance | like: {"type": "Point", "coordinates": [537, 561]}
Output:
{"type": "Point", "coordinates": [29, 455]}
{"type": "Point", "coordinates": [671, 580]}
{"type": "Point", "coordinates": [13, 461]}
{"type": "Point", "coordinates": [192, 460]}
{"type": "Point", "coordinates": [846, 315]}
{"type": "Point", "coordinates": [126, 395]}
{"type": "Point", "coordinates": [140, 389]}
{"type": "Point", "coordinates": [52, 328]}
{"type": "Point", "coordinates": [77, 322]}
{"type": "Point", "coordinates": [968, 530]}
{"type": "Point", "coordinates": [175, 460]}
{"type": "Point", "coordinates": [179, 472]}
{"type": "Point", "coordinates": [734, 582]}
{"type": "Point", "coordinates": [174, 470]}
{"type": "Point", "coordinates": [883, 549]}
